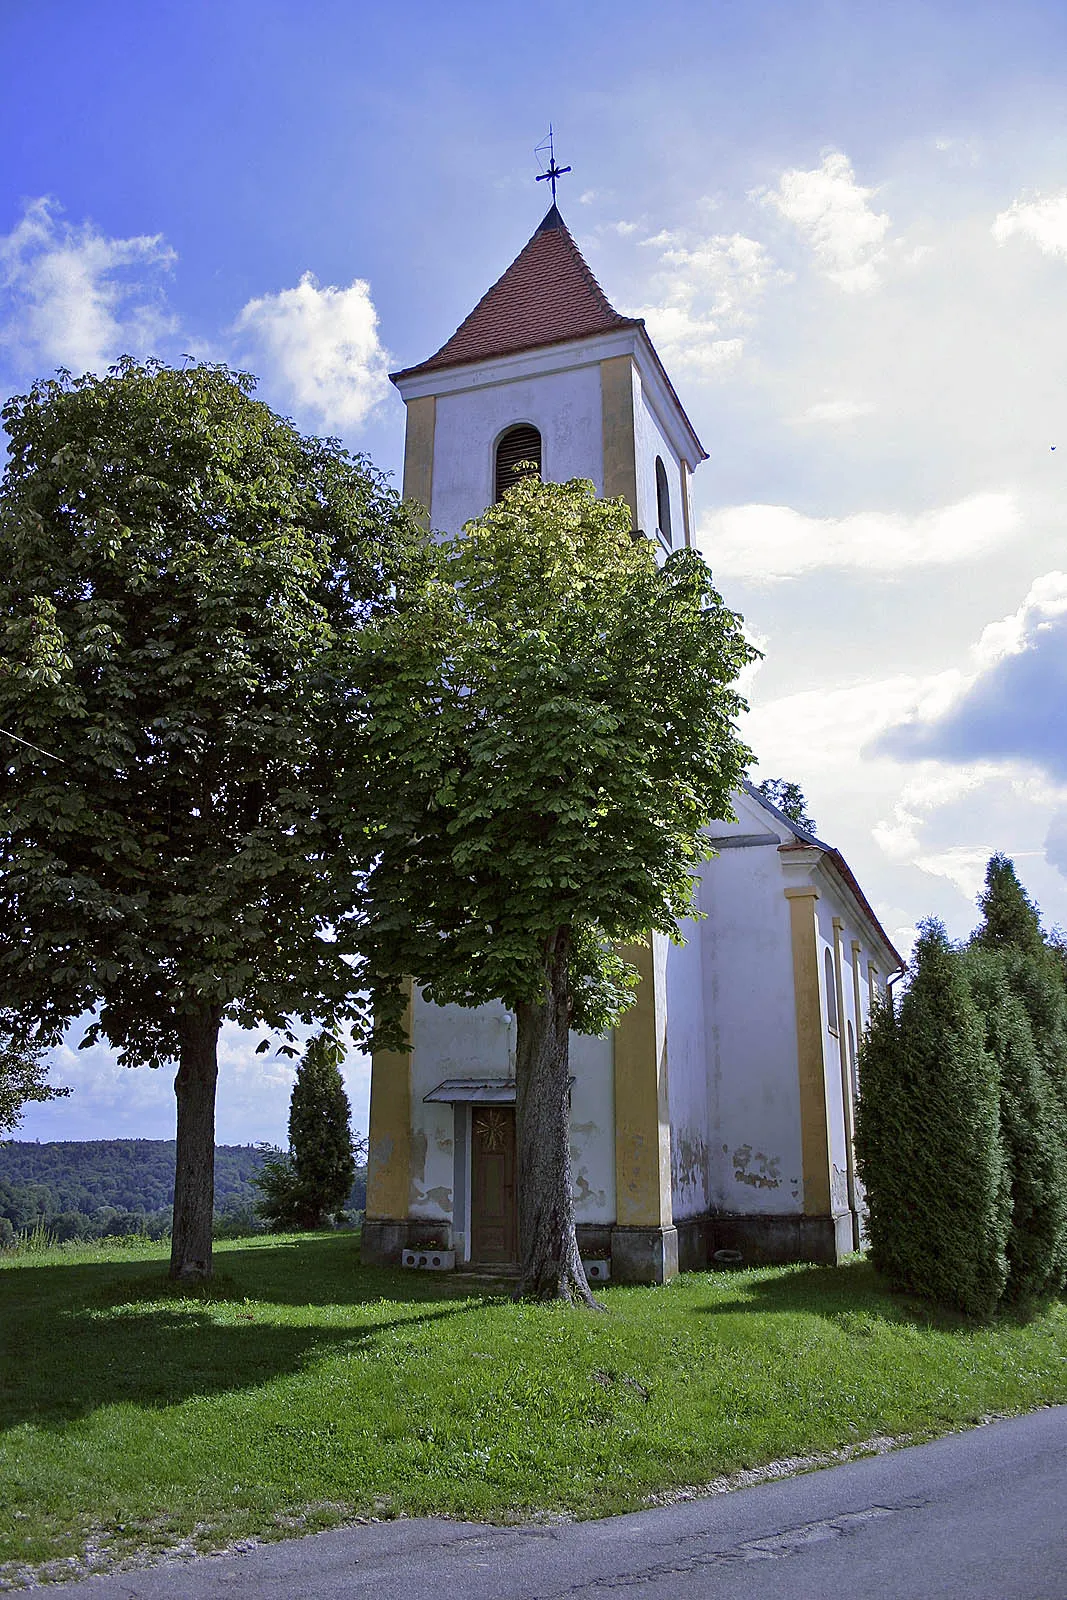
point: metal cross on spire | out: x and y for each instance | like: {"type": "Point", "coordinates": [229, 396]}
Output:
{"type": "Point", "coordinates": [551, 172]}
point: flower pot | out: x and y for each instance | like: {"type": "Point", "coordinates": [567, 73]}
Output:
{"type": "Point", "coordinates": [429, 1259]}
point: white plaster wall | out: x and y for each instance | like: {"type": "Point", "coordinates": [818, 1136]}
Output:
{"type": "Point", "coordinates": [479, 1042]}
{"type": "Point", "coordinates": [687, 1074]}
{"type": "Point", "coordinates": [753, 1087]}
{"type": "Point", "coordinates": [449, 1042]}
{"type": "Point", "coordinates": [564, 406]}
{"type": "Point", "coordinates": [650, 441]}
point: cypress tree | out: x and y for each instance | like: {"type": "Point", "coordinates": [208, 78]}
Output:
{"type": "Point", "coordinates": [306, 1187]}
{"type": "Point", "coordinates": [1029, 1126]}
{"type": "Point", "coordinates": [1033, 1061]}
{"type": "Point", "coordinates": [928, 1139]}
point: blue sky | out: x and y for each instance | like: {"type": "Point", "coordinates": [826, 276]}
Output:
{"type": "Point", "coordinates": [846, 225]}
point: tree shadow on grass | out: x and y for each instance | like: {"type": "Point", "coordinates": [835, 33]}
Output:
{"type": "Point", "coordinates": [846, 1295]}
{"type": "Point", "coordinates": [83, 1335]}
{"type": "Point", "coordinates": [161, 1357]}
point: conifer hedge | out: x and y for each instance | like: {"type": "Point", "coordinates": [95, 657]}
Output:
{"type": "Point", "coordinates": [928, 1139]}
{"type": "Point", "coordinates": [961, 1131]}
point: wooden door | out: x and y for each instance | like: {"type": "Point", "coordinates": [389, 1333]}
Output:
{"type": "Point", "coordinates": [494, 1222]}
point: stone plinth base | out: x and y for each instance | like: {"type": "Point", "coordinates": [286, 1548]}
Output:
{"type": "Point", "coordinates": [692, 1244]}
{"type": "Point", "coordinates": [644, 1255]}
{"type": "Point", "coordinates": [384, 1240]}
{"type": "Point", "coordinates": [778, 1239]}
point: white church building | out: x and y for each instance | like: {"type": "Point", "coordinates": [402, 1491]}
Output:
{"type": "Point", "coordinates": [719, 1113]}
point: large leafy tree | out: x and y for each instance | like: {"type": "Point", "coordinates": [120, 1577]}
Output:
{"type": "Point", "coordinates": [555, 716]}
{"type": "Point", "coordinates": [182, 576]}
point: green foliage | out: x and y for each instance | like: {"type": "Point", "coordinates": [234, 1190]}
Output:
{"type": "Point", "coordinates": [1009, 916]}
{"type": "Point", "coordinates": [302, 1388]}
{"type": "Point", "coordinates": [928, 1138]}
{"type": "Point", "coordinates": [1030, 1127]}
{"type": "Point", "coordinates": [102, 1188]}
{"type": "Point", "coordinates": [181, 577]}
{"type": "Point", "coordinates": [23, 1073]}
{"type": "Point", "coordinates": [306, 1186]}
{"type": "Point", "coordinates": [554, 717]}
{"type": "Point", "coordinates": [1017, 975]}
{"type": "Point", "coordinates": [789, 798]}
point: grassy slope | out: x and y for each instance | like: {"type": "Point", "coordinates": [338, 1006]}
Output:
{"type": "Point", "coordinates": [302, 1389]}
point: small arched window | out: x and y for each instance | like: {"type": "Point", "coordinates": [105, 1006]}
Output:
{"type": "Point", "coordinates": [663, 502]}
{"type": "Point", "coordinates": [831, 992]}
{"type": "Point", "coordinates": [519, 444]}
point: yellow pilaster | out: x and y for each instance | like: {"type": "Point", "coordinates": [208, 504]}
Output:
{"type": "Point", "coordinates": [620, 452]}
{"type": "Point", "coordinates": [418, 452]}
{"type": "Point", "coordinates": [814, 1127]}
{"type": "Point", "coordinates": [872, 983]}
{"type": "Point", "coordinates": [847, 1108]}
{"type": "Point", "coordinates": [389, 1142]}
{"type": "Point", "coordinates": [642, 1123]}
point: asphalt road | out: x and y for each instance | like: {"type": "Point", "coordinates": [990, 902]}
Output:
{"type": "Point", "coordinates": [981, 1515]}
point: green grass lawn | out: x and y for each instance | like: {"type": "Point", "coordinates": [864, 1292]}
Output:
{"type": "Point", "coordinates": [301, 1389]}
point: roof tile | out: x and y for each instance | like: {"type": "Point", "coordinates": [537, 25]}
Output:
{"type": "Point", "coordinates": [546, 296]}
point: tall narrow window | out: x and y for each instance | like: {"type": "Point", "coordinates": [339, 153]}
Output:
{"type": "Point", "coordinates": [831, 991]}
{"type": "Point", "coordinates": [519, 444]}
{"type": "Point", "coordinates": [663, 502]}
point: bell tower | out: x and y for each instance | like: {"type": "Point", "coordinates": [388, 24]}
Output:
{"type": "Point", "coordinates": [544, 360]}
{"type": "Point", "coordinates": [544, 369]}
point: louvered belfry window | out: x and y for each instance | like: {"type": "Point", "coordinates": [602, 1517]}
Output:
{"type": "Point", "coordinates": [522, 443]}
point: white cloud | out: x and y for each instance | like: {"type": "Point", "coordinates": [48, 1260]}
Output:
{"type": "Point", "coordinates": [321, 343]}
{"type": "Point", "coordinates": [836, 412]}
{"type": "Point", "coordinates": [1042, 220]}
{"type": "Point", "coordinates": [113, 1102]}
{"type": "Point", "coordinates": [71, 296]}
{"type": "Point", "coordinates": [1011, 709]}
{"type": "Point", "coordinates": [1056, 842]}
{"type": "Point", "coordinates": [766, 543]}
{"type": "Point", "coordinates": [960, 152]}
{"type": "Point", "coordinates": [963, 865]}
{"type": "Point", "coordinates": [704, 291]}
{"type": "Point", "coordinates": [830, 209]}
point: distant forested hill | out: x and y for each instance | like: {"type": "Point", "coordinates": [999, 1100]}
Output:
{"type": "Point", "coordinates": [83, 1189]}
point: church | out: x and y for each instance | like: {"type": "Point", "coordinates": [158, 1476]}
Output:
{"type": "Point", "coordinates": [718, 1115]}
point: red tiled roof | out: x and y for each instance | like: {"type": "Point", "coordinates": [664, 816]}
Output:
{"type": "Point", "coordinates": [546, 296]}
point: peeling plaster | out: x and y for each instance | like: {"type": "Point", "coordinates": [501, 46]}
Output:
{"type": "Point", "coordinates": [418, 1157]}
{"type": "Point", "coordinates": [838, 1189]}
{"type": "Point", "coordinates": [766, 1174]}
{"type": "Point", "coordinates": [585, 1195]}
{"type": "Point", "coordinates": [689, 1159]}
{"type": "Point", "coordinates": [440, 1197]}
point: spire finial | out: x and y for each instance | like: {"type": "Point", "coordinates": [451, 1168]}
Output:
{"type": "Point", "coordinates": [551, 172]}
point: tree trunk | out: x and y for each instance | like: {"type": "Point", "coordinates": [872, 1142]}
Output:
{"type": "Point", "coordinates": [194, 1172]}
{"type": "Point", "coordinates": [548, 1250]}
